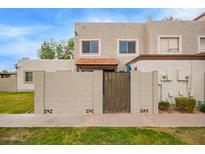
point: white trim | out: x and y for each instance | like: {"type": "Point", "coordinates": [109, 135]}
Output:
{"type": "Point", "coordinates": [199, 48]}
{"type": "Point", "coordinates": [90, 54]}
{"type": "Point", "coordinates": [127, 54]}
{"type": "Point", "coordinates": [180, 43]}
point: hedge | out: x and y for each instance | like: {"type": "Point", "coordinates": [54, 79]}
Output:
{"type": "Point", "coordinates": [185, 104]}
{"type": "Point", "coordinates": [164, 105]}
{"type": "Point", "coordinates": [202, 107]}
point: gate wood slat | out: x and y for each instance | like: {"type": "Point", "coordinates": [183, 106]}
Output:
{"type": "Point", "coordinates": [116, 87]}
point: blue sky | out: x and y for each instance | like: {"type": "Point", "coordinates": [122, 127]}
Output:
{"type": "Point", "coordinates": [23, 30]}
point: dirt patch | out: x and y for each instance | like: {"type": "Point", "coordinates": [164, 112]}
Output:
{"type": "Point", "coordinates": [172, 109]}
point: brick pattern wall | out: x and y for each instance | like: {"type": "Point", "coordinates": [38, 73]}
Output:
{"type": "Point", "coordinates": [68, 92]}
{"type": "Point", "coordinates": [82, 92]}
{"type": "Point", "coordinates": [144, 92]}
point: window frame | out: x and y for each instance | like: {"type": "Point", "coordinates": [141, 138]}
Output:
{"type": "Point", "coordinates": [90, 54]}
{"type": "Point", "coordinates": [170, 36]}
{"type": "Point", "coordinates": [199, 45]}
{"type": "Point", "coordinates": [128, 54]}
{"type": "Point", "coordinates": [28, 82]}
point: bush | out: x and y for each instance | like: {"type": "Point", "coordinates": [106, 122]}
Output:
{"type": "Point", "coordinates": [202, 107]}
{"type": "Point", "coordinates": [163, 105]}
{"type": "Point", "coordinates": [185, 104]}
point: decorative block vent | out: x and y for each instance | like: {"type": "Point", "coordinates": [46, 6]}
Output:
{"type": "Point", "coordinates": [144, 110]}
{"type": "Point", "coordinates": [48, 110]}
{"type": "Point", "coordinates": [89, 110]}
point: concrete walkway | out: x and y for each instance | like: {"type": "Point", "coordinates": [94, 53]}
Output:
{"type": "Point", "coordinates": [111, 120]}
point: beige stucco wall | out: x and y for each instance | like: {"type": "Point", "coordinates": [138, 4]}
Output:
{"type": "Point", "coordinates": [75, 92]}
{"type": "Point", "coordinates": [188, 30]}
{"type": "Point", "coordinates": [8, 84]}
{"type": "Point", "coordinates": [173, 87]}
{"type": "Point", "coordinates": [40, 65]}
{"type": "Point", "coordinates": [68, 92]}
{"type": "Point", "coordinates": [108, 34]}
{"type": "Point", "coordinates": [144, 92]}
{"type": "Point", "coordinates": [146, 33]}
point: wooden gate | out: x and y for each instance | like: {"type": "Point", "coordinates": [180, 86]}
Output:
{"type": "Point", "coordinates": [116, 92]}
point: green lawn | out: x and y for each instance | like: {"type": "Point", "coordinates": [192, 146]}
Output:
{"type": "Point", "coordinates": [102, 135]}
{"type": "Point", "coordinates": [22, 102]}
{"type": "Point", "coordinates": [16, 102]}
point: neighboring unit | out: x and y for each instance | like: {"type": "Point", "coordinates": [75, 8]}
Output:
{"type": "Point", "coordinates": [26, 68]}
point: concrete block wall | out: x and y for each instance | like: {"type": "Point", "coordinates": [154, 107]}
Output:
{"type": "Point", "coordinates": [68, 92]}
{"type": "Point", "coordinates": [98, 92]}
{"type": "Point", "coordinates": [8, 84]}
{"type": "Point", "coordinates": [144, 92]}
{"type": "Point", "coordinates": [39, 97]}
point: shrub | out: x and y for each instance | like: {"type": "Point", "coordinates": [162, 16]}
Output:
{"type": "Point", "coordinates": [202, 107]}
{"type": "Point", "coordinates": [163, 105]}
{"type": "Point", "coordinates": [185, 104]}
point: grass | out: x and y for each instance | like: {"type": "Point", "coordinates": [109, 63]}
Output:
{"type": "Point", "coordinates": [23, 102]}
{"type": "Point", "coordinates": [16, 102]}
{"type": "Point", "coordinates": [102, 135]}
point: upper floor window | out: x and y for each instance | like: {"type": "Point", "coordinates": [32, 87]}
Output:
{"type": "Point", "coordinates": [90, 47]}
{"type": "Point", "coordinates": [169, 44]}
{"type": "Point", "coordinates": [127, 47]}
{"type": "Point", "coordinates": [28, 77]}
{"type": "Point", "coordinates": [202, 44]}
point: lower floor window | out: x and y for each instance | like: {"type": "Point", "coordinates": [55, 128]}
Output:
{"type": "Point", "coordinates": [28, 77]}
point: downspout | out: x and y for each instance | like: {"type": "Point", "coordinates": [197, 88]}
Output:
{"type": "Point", "coordinates": [160, 90]}
{"type": "Point", "coordinates": [189, 82]}
{"type": "Point", "coordinates": [191, 75]}
{"type": "Point", "coordinates": [44, 91]}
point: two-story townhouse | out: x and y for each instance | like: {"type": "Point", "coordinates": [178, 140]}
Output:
{"type": "Point", "coordinates": [173, 48]}
{"type": "Point", "coordinates": [110, 46]}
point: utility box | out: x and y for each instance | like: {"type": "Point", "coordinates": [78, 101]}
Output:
{"type": "Point", "coordinates": [182, 75]}
{"type": "Point", "coordinates": [170, 74]}
{"type": "Point", "coordinates": [167, 75]}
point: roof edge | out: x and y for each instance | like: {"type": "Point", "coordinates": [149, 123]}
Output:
{"type": "Point", "coordinates": [200, 16]}
{"type": "Point", "coordinates": [200, 56]}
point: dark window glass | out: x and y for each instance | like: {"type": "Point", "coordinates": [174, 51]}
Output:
{"type": "Point", "coordinates": [123, 47]}
{"type": "Point", "coordinates": [28, 76]}
{"type": "Point", "coordinates": [89, 46]}
{"type": "Point", "coordinates": [127, 46]}
{"type": "Point", "coordinates": [86, 47]}
{"type": "Point", "coordinates": [131, 47]}
{"type": "Point", "coordinates": [94, 46]}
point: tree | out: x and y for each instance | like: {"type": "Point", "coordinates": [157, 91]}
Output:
{"type": "Point", "coordinates": [47, 50]}
{"type": "Point", "coordinates": [59, 50]}
{"type": "Point", "coordinates": [70, 49]}
{"type": "Point", "coordinates": [4, 71]}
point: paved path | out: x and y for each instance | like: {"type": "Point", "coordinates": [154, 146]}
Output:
{"type": "Point", "coordinates": [112, 120]}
